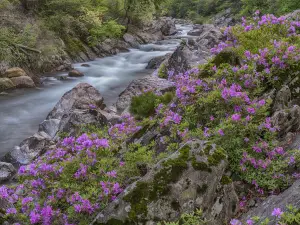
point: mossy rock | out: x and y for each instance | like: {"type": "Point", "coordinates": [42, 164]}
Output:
{"type": "Point", "coordinates": [5, 84]}
{"type": "Point", "coordinates": [227, 56]}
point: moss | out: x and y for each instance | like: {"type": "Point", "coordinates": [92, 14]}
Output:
{"type": "Point", "coordinates": [162, 71]}
{"type": "Point", "coordinates": [145, 193]}
{"type": "Point", "coordinates": [205, 70]}
{"type": "Point", "coordinates": [200, 166]}
{"type": "Point", "coordinates": [216, 157]}
{"type": "Point", "coordinates": [226, 180]}
{"type": "Point", "coordinates": [228, 56]}
{"type": "Point", "coordinates": [202, 189]}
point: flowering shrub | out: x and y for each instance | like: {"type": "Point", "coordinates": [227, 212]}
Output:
{"type": "Point", "coordinates": [144, 104]}
{"type": "Point", "coordinates": [290, 217]}
{"type": "Point", "coordinates": [220, 103]}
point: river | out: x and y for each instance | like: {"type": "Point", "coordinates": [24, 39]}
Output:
{"type": "Point", "coordinates": [22, 110]}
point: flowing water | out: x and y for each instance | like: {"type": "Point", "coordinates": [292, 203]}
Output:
{"type": "Point", "coordinates": [22, 110]}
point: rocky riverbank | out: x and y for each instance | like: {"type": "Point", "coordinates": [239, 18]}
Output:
{"type": "Point", "coordinates": [195, 172]}
{"type": "Point", "coordinates": [135, 36]}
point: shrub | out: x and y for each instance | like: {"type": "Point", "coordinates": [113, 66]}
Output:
{"type": "Point", "coordinates": [144, 105]}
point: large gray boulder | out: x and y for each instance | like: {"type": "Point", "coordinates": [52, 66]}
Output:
{"type": "Point", "coordinates": [188, 180]}
{"type": "Point", "coordinates": [137, 87]}
{"type": "Point", "coordinates": [29, 149]}
{"type": "Point", "coordinates": [264, 210]}
{"type": "Point", "coordinates": [157, 61]}
{"type": "Point", "coordinates": [7, 171]}
{"type": "Point", "coordinates": [83, 105]}
{"type": "Point", "coordinates": [23, 82]}
{"type": "Point", "coordinates": [181, 60]}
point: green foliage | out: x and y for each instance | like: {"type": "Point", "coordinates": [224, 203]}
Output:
{"type": "Point", "coordinates": [269, 6]}
{"type": "Point", "coordinates": [195, 218]}
{"type": "Point", "coordinates": [162, 72]}
{"type": "Point", "coordinates": [144, 105]}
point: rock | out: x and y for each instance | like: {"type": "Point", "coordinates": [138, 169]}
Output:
{"type": "Point", "coordinates": [66, 66]}
{"type": "Point", "coordinates": [75, 73]}
{"type": "Point", "coordinates": [210, 36]}
{"type": "Point", "coordinates": [78, 106]}
{"type": "Point", "coordinates": [291, 196]}
{"type": "Point", "coordinates": [29, 149]}
{"type": "Point", "coordinates": [282, 99]}
{"type": "Point", "coordinates": [294, 15]}
{"type": "Point", "coordinates": [14, 72]}
{"type": "Point", "coordinates": [111, 47]}
{"type": "Point", "coordinates": [7, 171]}
{"type": "Point", "coordinates": [83, 105]}
{"type": "Point", "coordinates": [157, 61]}
{"type": "Point", "coordinates": [179, 184]}
{"type": "Point", "coordinates": [195, 32]}
{"type": "Point", "coordinates": [5, 84]}
{"type": "Point", "coordinates": [287, 120]}
{"type": "Point", "coordinates": [132, 40]}
{"type": "Point", "coordinates": [181, 60]}
{"type": "Point", "coordinates": [224, 19]}
{"type": "Point", "coordinates": [167, 26]}
{"type": "Point", "coordinates": [23, 82]}
{"type": "Point", "coordinates": [137, 86]}
{"type": "Point", "coordinates": [85, 65]}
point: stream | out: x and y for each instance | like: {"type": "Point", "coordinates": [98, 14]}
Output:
{"type": "Point", "coordinates": [22, 110]}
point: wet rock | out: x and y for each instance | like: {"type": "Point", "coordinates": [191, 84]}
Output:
{"type": "Point", "coordinates": [195, 32]}
{"type": "Point", "coordinates": [187, 180]}
{"type": "Point", "coordinates": [264, 210]}
{"type": "Point", "coordinates": [157, 61]}
{"type": "Point", "coordinates": [7, 171]}
{"type": "Point", "coordinates": [137, 86]}
{"type": "Point", "coordinates": [75, 73]}
{"type": "Point", "coordinates": [29, 149]}
{"type": "Point", "coordinates": [132, 40]}
{"type": "Point", "coordinates": [78, 106]}
{"type": "Point", "coordinates": [111, 47]}
{"type": "Point", "coordinates": [83, 105]}
{"type": "Point", "coordinates": [14, 72]}
{"type": "Point", "coordinates": [181, 60]}
{"type": "Point", "coordinates": [5, 84]}
{"type": "Point", "coordinates": [167, 26]}
{"type": "Point", "coordinates": [85, 65]}
{"type": "Point", "coordinates": [23, 82]}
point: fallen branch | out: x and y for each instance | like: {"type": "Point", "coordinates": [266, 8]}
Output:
{"type": "Point", "coordinates": [27, 48]}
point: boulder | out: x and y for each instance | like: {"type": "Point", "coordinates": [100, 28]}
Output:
{"type": "Point", "coordinates": [181, 60]}
{"type": "Point", "coordinates": [287, 120]}
{"type": "Point", "coordinates": [187, 180]}
{"type": "Point", "coordinates": [7, 171]}
{"type": "Point", "coordinates": [137, 86]}
{"type": "Point", "coordinates": [282, 99]}
{"type": "Point", "coordinates": [85, 65]}
{"type": "Point", "coordinates": [210, 36]}
{"type": "Point", "coordinates": [23, 82]}
{"type": "Point", "coordinates": [78, 106]}
{"type": "Point", "coordinates": [157, 61]}
{"type": "Point", "coordinates": [29, 149]}
{"type": "Point", "coordinates": [75, 73]}
{"type": "Point", "coordinates": [5, 84]}
{"type": "Point", "coordinates": [224, 18]}
{"type": "Point", "coordinates": [195, 32]}
{"type": "Point", "coordinates": [132, 40]}
{"type": "Point", "coordinates": [82, 105]}
{"type": "Point", "coordinates": [167, 26]}
{"type": "Point", "coordinates": [291, 196]}
{"type": "Point", "coordinates": [14, 72]}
